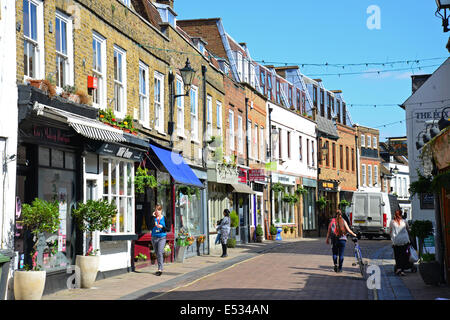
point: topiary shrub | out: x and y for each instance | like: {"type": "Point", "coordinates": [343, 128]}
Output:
{"type": "Point", "coordinates": [234, 219]}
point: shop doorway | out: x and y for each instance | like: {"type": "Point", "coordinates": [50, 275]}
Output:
{"type": "Point", "coordinates": [242, 211]}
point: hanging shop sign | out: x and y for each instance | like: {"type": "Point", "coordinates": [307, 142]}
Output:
{"type": "Point", "coordinates": [119, 151]}
{"type": "Point", "coordinates": [257, 175]}
{"type": "Point", "coordinates": [328, 185]}
{"type": "Point", "coordinates": [242, 178]}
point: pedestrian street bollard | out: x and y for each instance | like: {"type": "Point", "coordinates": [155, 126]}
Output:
{"type": "Point", "coordinates": [279, 233]}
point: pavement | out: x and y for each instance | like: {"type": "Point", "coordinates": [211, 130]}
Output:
{"type": "Point", "coordinates": [142, 284]}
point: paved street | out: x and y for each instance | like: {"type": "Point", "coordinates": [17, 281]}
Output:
{"type": "Point", "coordinates": [295, 271]}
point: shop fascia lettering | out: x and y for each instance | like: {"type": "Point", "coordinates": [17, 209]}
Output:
{"type": "Point", "coordinates": [120, 151]}
{"type": "Point", "coordinates": [283, 179]}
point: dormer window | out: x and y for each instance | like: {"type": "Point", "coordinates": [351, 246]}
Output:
{"type": "Point", "coordinates": [200, 44]}
{"type": "Point", "coordinates": [166, 12]}
{"type": "Point", "coordinates": [126, 2]}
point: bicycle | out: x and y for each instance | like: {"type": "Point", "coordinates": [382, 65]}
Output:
{"type": "Point", "coordinates": [358, 257]}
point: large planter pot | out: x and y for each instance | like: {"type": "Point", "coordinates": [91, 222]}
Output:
{"type": "Point", "coordinates": [180, 254]}
{"type": "Point", "coordinates": [259, 238]}
{"type": "Point", "coordinates": [29, 285]}
{"type": "Point", "coordinates": [430, 272]}
{"type": "Point", "coordinates": [88, 268]}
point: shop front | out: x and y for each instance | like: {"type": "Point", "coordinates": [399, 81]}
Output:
{"type": "Point", "coordinates": [221, 177]}
{"type": "Point", "coordinates": [283, 211]}
{"type": "Point", "coordinates": [62, 156]}
{"type": "Point", "coordinates": [242, 194]}
{"type": "Point", "coordinates": [327, 203]}
{"type": "Point", "coordinates": [310, 218]}
{"type": "Point", "coordinates": [178, 191]}
{"type": "Point", "coordinates": [257, 178]}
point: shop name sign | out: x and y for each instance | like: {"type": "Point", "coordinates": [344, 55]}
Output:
{"type": "Point", "coordinates": [327, 185]}
{"type": "Point", "coordinates": [256, 175]}
{"type": "Point", "coordinates": [120, 151]}
{"type": "Point", "coordinates": [51, 134]}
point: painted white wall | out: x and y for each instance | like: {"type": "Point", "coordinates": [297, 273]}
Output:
{"type": "Point", "coordinates": [8, 122]}
{"type": "Point", "coordinates": [436, 89]}
{"type": "Point", "coordinates": [298, 126]}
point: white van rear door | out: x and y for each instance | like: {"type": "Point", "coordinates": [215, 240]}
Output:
{"type": "Point", "coordinates": [375, 213]}
{"type": "Point", "coordinates": [360, 206]}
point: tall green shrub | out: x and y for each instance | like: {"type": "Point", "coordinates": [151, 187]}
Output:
{"type": "Point", "coordinates": [234, 219]}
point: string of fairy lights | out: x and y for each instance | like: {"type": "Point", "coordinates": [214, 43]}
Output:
{"type": "Point", "coordinates": [384, 67]}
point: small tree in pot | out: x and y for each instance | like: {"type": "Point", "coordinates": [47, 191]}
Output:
{"type": "Point", "coordinates": [94, 215]}
{"type": "Point", "coordinates": [40, 217]}
{"type": "Point", "coordinates": [259, 233]}
{"type": "Point", "coordinates": [428, 266]}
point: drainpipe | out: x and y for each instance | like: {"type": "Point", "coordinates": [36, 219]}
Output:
{"type": "Point", "coordinates": [204, 153]}
{"type": "Point", "coordinates": [246, 130]}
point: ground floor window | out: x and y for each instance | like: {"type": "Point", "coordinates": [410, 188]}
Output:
{"type": "Point", "coordinates": [218, 201]}
{"type": "Point", "coordinates": [283, 211]}
{"type": "Point", "coordinates": [189, 210]}
{"type": "Point", "coordinates": [118, 188]}
{"type": "Point", "coordinates": [309, 209]}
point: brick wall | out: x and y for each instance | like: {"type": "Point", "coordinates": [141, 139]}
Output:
{"type": "Point", "coordinates": [123, 27]}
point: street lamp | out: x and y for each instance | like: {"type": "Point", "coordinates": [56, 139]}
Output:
{"type": "Point", "coordinates": [443, 122]}
{"type": "Point", "coordinates": [395, 170]}
{"type": "Point", "coordinates": [187, 74]}
{"type": "Point", "coordinates": [443, 4]}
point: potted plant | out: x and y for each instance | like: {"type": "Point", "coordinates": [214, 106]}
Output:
{"type": "Point", "coordinates": [277, 188]}
{"type": "Point", "coordinates": [94, 215]}
{"type": "Point", "coordinates": [167, 251]}
{"type": "Point", "coordinates": [181, 244]}
{"type": "Point", "coordinates": [140, 257]}
{"type": "Point", "coordinates": [293, 228]}
{"type": "Point", "coordinates": [273, 231]}
{"type": "Point", "coordinates": [143, 180]}
{"type": "Point", "coordinates": [259, 233]}
{"type": "Point", "coordinates": [285, 229]}
{"type": "Point", "coordinates": [428, 266]}
{"type": "Point", "coordinates": [40, 217]}
{"type": "Point", "coordinates": [231, 243]}
{"type": "Point", "coordinates": [234, 223]}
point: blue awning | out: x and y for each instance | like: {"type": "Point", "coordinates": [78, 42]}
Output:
{"type": "Point", "coordinates": [177, 167]}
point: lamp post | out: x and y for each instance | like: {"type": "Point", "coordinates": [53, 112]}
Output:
{"type": "Point", "coordinates": [187, 74]}
{"type": "Point", "coordinates": [443, 4]}
{"type": "Point", "coordinates": [443, 122]}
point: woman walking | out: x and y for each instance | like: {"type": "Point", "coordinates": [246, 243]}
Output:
{"type": "Point", "coordinates": [398, 229]}
{"type": "Point", "coordinates": [224, 229]}
{"type": "Point", "coordinates": [337, 232]}
{"type": "Point", "coordinates": [159, 229]}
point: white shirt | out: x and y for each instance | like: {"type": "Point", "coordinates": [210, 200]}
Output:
{"type": "Point", "coordinates": [399, 233]}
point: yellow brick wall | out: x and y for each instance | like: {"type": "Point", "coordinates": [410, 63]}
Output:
{"type": "Point", "coordinates": [123, 27]}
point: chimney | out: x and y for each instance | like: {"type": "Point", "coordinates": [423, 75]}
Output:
{"type": "Point", "coordinates": [167, 2]}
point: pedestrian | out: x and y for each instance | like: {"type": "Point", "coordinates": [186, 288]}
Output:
{"type": "Point", "coordinates": [159, 229]}
{"type": "Point", "coordinates": [399, 232]}
{"type": "Point", "coordinates": [218, 232]}
{"type": "Point", "coordinates": [224, 229]}
{"type": "Point", "coordinates": [337, 232]}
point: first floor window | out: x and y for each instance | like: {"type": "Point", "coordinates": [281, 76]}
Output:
{"type": "Point", "coordinates": [375, 175]}
{"type": "Point", "coordinates": [159, 101]}
{"type": "Point", "coordinates": [231, 125]}
{"type": "Point", "coordinates": [363, 174]}
{"type": "Point", "coordinates": [219, 118]}
{"type": "Point", "coordinates": [262, 144]}
{"type": "Point", "coordinates": [209, 128]}
{"type": "Point", "coordinates": [194, 113]}
{"type": "Point", "coordinates": [249, 139]}
{"type": "Point", "coordinates": [240, 135]}
{"type": "Point", "coordinates": [32, 32]}
{"type": "Point", "coordinates": [64, 50]}
{"type": "Point", "coordinates": [180, 106]}
{"type": "Point", "coordinates": [144, 115]}
{"type": "Point", "coordinates": [369, 175]}
{"type": "Point", "coordinates": [99, 70]}
{"type": "Point", "coordinates": [119, 81]}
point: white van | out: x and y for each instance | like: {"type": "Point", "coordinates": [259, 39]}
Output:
{"type": "Point", "coordinates": [371, 213]}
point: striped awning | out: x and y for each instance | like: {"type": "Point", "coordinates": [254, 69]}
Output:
{"type": "Point", "coordinates": [87, 127]}
{"type": "Point", "coordinates": [96, 130]}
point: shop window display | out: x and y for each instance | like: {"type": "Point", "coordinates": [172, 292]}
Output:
{"type": "Point", "coordinates": [189, 213]}
{"type": "Point", "coordinates": [118, 188]}
{"type": "Point", "coordinates": [283, 211]}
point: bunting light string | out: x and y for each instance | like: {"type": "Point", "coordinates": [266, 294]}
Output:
{"type": "Point", "coordinates": [343, 65]}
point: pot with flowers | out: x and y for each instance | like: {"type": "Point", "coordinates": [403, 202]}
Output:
{"type": "Point", "coordinates": [181, 244]}
{"type": "Point", "coordinates": [40, 217]}
{"type": "Point", "coordinates": [94, 215]}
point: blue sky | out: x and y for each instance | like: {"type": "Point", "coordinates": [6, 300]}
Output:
{"type": "Point", "coordinates": [329, 31]}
